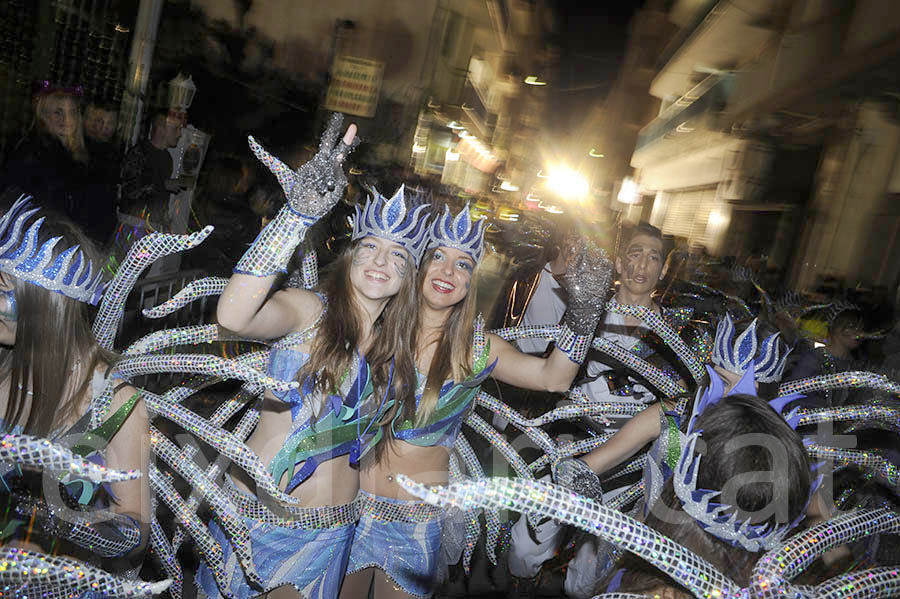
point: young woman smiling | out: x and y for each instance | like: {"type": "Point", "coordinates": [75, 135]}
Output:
{"type": "Point", "coordinates": [397, 534]}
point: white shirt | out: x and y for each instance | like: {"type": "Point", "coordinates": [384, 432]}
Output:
{"type": "Point", "coordinates": [614, 329]}
{"type": "Point", "coordinates": [546, 306]}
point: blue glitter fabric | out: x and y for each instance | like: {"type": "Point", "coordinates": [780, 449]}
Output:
{"type": "Point", "coordinates": [313, 561]}
{"type": "Point", "coordinates": [407, 552]}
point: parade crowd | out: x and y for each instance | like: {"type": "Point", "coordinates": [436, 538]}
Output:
{"type": "Point", "coordinates": [632, 417]}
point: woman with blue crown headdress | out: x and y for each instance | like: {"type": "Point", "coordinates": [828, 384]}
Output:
{"type": "Point", "coordinates": [347, 347]}
{"type": "Point", "coordinates": [398, 534]}
{"type": "Point", "coordinates": [55, 383]}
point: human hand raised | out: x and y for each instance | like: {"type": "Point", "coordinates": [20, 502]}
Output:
{"type": "Point", "coordinates": [316, 186]}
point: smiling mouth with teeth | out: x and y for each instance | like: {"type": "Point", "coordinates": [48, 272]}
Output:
{"type": "Point", "coordinates": [380, 276]}
{"type": "Point", "coordinates": [443, 286]}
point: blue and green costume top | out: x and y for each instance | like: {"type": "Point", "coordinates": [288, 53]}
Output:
{"type": "Point", "coordinates": [454, 401]}
{"type": "Point", "coordinates": [345, 424]}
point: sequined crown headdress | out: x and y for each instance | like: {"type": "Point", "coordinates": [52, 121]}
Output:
{"type": "Point", "coordinates": [70, 273]}
{"type": "Point", "coordinates": [719, 519]}
{"type": "Point", "coordinates": [459, 232]}
{"type": "Point", "coordinates": [393, 219]}
{"type": "Point", "coordinates": [737, 355]}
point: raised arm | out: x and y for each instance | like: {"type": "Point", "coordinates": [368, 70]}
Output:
{"type": "Point", "coordinates": [245, 306]}
{"type": "Point", "coordinates": [587, 280]}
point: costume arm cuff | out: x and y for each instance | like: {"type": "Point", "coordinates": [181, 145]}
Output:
{"type": "Point", "coordinates": [271, 251]}
{"type": "Point", "coordinates": [572, 344]}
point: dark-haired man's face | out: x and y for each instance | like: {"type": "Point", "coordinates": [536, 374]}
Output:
{"type": "Point", "coordinates": [640, 265]}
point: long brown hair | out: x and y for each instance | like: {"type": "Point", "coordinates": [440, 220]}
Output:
{"type": "Point", "coordinates": [341, 330]}
{"type": "Point", "coordinates": [453, 354]}
{"type": "Point", "coordinates": [53, 343]}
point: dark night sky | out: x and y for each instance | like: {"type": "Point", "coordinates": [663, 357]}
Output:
{"type": "Point", "coordinates": [592, 38]}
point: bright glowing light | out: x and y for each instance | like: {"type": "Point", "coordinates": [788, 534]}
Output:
{"type": "Point", "coordinates": [417, 149]}
{"type": "Point", "coordinates": [451, 156]}
{"type": "Point", "coordinates": [595, 154]}
{"type": "Point", "coordinates": [628, 193]}
{"type": "Point", "coordinates": [532, 80]}
{"type": "Point", "coordinates": [553, 209]}
{"type": "Point", "coordinates": [455, 126]}
{"type": "Point", "coordinates": [817, 345]}
{"type": "Point", "coordinates": [541, 175]}
{"type": "Point", "coordinates": [683, 128]}
{"type": "Point", "coordinates": [465, 134]}
{"type": "Point", "coordinates": [507, 186]}
{"type": "Point", "coordinates": [567, 183]}
{"type": "Point", "coordinates": [355, 171]}
{"type": "Point", "coordinates": [717, 219]}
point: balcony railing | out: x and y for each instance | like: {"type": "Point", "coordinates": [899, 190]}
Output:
{"type": "Point", "coordinates": [706, 98]}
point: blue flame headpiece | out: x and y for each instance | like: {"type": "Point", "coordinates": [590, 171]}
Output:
{"type": "Point", "coordinates": [737, 355]}
{"type": "Point", "coordinates": [459, 232]}
{"type": "Point", "coordinates": [719, 519]}
{"type": "Point", "coordinates": [70, 273]}
{"type": "Point", "coordinates": [395, 220]}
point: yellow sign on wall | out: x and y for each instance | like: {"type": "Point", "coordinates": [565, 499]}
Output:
{"type": "Point", "coordinates": [355, 85]}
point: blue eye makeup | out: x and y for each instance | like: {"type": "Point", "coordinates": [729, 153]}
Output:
{"type": "Point", "coordinates": [8, 308]}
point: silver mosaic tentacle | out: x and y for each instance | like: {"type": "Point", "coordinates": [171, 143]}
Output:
{"type": "Point", "coordinates": [884, 416]}
{"type": "Point", "coordinates": [241, 432]}
{"type": "Point", "coordinates": [492, 520]}
{"type": "Point", "coordinates": [773, 572]}
{"type": "Point", "coordinates": [537, 436]}
{"type": "Point", "coordinates": [257, 360]}
{"type": "Point", "coordinates": [27, 574]}
{"type": "Point", "coordinates": [36, 452]}
{"type": "Point", "coordinates": [309, 267]}
{"type": "Point", "coordinates": [222, 441]}
{"type": "Point", "coordinates": [669, 335]}
{"type": "Point", "coordinates": [533, 497]}
{"type": "Point", "coordinates": [854, 379]}
{"type": "Point", "coordinates": [544, 331]}
{"type": "Point", "coordinates": [209, 549]}
{"type": "Point", "coordinates": [200, 364]}
{"type": "Point", "coordinates": [577, 395]}
{"type": "Point", "coordinates": [159, 340]}
{"type": "Point", "coordinates": [654, 375]}
{"type": "Point", "coordinates": [867, 461]}
{"type": "Point", "coordinates": [225, 512]}
{"type": "Point", "coordinates": [570, 449]}
{"type": "Point", "coordinates": [865, 584]}
{"type": "Point", "coordinates": [473, 530]}
{"type": "Point", "coordinates": [80, 529]}
{"type": "Point", "coordinates": [626, 497]}
{"type": "Point", "coordinates": [635, 465]}
{"type": "Point", "coordinates": [206, 287]}
{"type": "Point", "coordinates": [620, 596]}
{"type": "Point", "coordinates": [499, 443]}
{"type": "Point", "coordinates": [142, 254]}
{"type": "Point", "coordinates": [166, 555]}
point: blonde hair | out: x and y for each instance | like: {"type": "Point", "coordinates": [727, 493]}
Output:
{"type": "Point", "coordinates": [74, 143]}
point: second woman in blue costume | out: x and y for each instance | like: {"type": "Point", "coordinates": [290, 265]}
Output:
{"type": "Point", "coordinates": [340, 344]}
{"type": "Point", "coordinates": [397, 540]}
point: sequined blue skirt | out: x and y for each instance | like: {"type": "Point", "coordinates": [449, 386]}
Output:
{"type": "Point", "coordinates": [313, 561]}
{"type": "Point", "coordinates": [400, 538]}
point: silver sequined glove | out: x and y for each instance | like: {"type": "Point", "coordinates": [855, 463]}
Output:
{"type": "Point", "coordinates": [575, 475]}
{"type": "Point", "coordinates": [312, 190]}
{"type": "Point", "coordinates": [587, 279]}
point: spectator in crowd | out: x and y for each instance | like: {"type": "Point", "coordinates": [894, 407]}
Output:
{"type": "Point", "coordinates": [53, 164]}
{"type": "Point", "coordinates": [147, 174]}
{"type": "Point", "coordinates": [845, 333]}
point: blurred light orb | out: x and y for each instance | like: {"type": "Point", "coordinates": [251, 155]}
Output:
{"type": "Point", "coordinates": [567, 183]}
{"type": "Point", "coordinates": [628, 192]}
